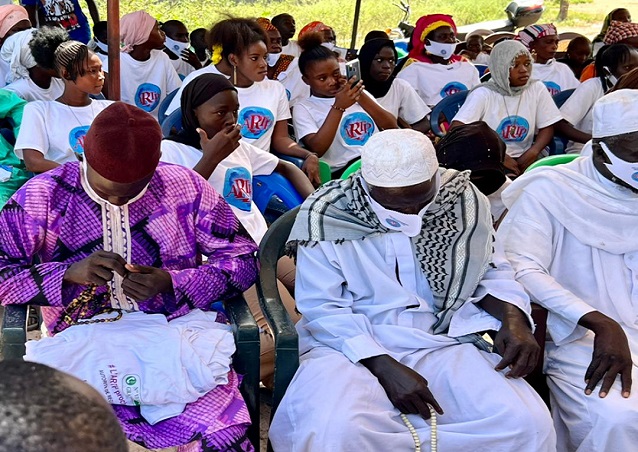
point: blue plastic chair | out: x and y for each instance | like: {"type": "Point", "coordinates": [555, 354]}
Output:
{"type": "Point", "coordinates": [297, 161]}
{"type": "Point", "coordinates": [481, 68]}
{"type": "Point", "coordinates": [161, 113]}
{"type": "Point", "coordinates": [448, 107]}
{"type": "Point", "coordinates": [558, 144]}
{"type": "Point", "coordinates": [274, 187]}
{"type": "Point", "coordinates": [172, 121]}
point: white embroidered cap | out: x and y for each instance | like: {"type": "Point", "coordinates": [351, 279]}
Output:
{"type": "Point", "coordinates": [398, 158]}
{"type": "Point", "coordinates": [616, 113]}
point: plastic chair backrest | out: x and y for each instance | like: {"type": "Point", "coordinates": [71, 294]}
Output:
{"type": "Point", "coordinates": [448, 107]}
{"type": "Point", "coordinates": [561, 98]}
{"type": "Point", "coordinates": [161, 113]}
{"type": "Point", "coordinates": [353, 168]}
{"type": "Point", "coordinates": [325, 173]}
{"type": "Point", "coordinates": [553, 160]}
{"type": "Point", "coordinates": [172, 121]}
{"type": "Point", "coordinates": [481, 68]}
{"type": "Point", "coordinates": [274, 184]}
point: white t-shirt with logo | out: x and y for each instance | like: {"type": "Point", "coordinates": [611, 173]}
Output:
{"type": "Point", "coordinates": [57, 130]}
{"type": "Point", "coordinates": [355, 128]}
{"type": "Point", "coordinates": [296, 89]}
{"type": "Point", "coordinates": [233, 178]}
{"type": "Point", "coordinates": [403, 102]}
{"type": "Point", "coordinates": [183, 68]}
{"type": "Point", "coordinates": [516, 119]}
{"type": "Point", "coordinates": [176, 102]}
{"type": "Point", "coordinates": [26, 89]}
{"type": "Point", "coordinates": [145, 84]}
{"type": "Point", "coordinates": [556, 76]}
{"type": "Point", "coordinates": [577, 110]}
{"type": "Point", "coordinates": [433, 82]}
{"type": "Point", "coordinates": [260, 107]}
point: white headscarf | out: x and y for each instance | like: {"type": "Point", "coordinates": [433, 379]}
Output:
{"type": "Point", "coordinates": [17, 53]}
{"type": "Point", "coordinates": [502, 60]}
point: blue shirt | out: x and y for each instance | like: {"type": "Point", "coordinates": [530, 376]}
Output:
{"type": "Point", "coordinates": [67, 13]}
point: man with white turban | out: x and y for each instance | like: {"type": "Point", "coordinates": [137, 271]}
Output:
{"type": "Point", "coordinates": [571, 235]}
{"type": "Point", "coordinates": [395, 281]}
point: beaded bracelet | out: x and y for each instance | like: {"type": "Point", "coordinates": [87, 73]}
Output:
{"type": "Point", "coordinates": [415, 435]}
{"type": "Point", "coordinates": [342, 110]}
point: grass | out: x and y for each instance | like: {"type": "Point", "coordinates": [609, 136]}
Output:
{"type": "Point", "coordinates": [375, 14]}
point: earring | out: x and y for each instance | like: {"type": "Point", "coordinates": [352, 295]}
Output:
{"type": "Point", "coordinates": [235, 75]}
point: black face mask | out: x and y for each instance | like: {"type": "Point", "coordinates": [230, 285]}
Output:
{"type": "Point", "coordinates": [487, 181]}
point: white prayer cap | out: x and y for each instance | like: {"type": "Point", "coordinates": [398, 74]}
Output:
{"type": "Point", "coordinates": [616, 113]}
{"type": "Point", "coordinates": [398, 158]}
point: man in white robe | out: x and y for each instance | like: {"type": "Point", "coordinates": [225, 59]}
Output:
{"type": "Point", "coordinates": [394, 278]}
{"type": "Point", "coordinates": [571, 235]}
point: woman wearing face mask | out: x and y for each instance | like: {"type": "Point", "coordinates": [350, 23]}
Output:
{"type": "Point", "coordinates": [240, 52]}
{"type": "Point", "coordinates": [611, 63]}
{"type": "Point", "coordinates": [433, 69]}
{"type": "Point", "coordinates": [518, 108]}
{"type": "Point", "coordinates": [378, 59]}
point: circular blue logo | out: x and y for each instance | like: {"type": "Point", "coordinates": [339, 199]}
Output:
{"type": "Point", "coordinates": [357, 128]}
{"type": "Point", "coordinates": [392, 222]}
{"type": "Point", "coordinates": [255, 122]}
{"type": "Point", "coordinates": [635, 176]}
{"type": "Point", "coordinates": [452, 88]}
{"type": "Point", "coordinates": [288, 95]}
{"type": "Point", "coordinates": [76, 139]}
{"type": "Point", "coordinates": [148, 96]}
{"type": "Point", "coordinates": [513, 128]}
{"type": "Point", "coordinates": [553, 88]}
{"type": "Point", "coordinates": [238, 188]}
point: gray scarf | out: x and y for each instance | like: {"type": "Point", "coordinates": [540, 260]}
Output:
{"type": "Point", "coordinates": [501, 61]}
{"type": "Point", "coordinates": [454, 247]}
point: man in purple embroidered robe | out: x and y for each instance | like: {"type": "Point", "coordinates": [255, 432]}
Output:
{"type": "Point", "coordinates": [136, 231]}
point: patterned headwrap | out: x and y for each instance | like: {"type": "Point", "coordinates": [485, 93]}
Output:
{"type": "Point", "coordinates": [424, 26]}
{"type": "Point", "coordinates": [314, 27]}
{"type": "Point", "coordinates": [619, 31]}
{"type": "Point", "coordinates": [266, 24]}
{"type": "Point", "coordinates": [531, 33]}
{"type": "Point", "coordinates": [135, 29]}
{"type": "Point", "coordinates": [606, 24]}
{"type": "Point", "coordinates": [9, 16]}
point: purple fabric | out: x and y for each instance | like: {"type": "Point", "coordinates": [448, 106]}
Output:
{"type": "Point", "coordinates": [178, 219]}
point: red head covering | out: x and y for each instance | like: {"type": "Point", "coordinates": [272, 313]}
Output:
{"type": "Point", "coordinates": [123, 143]}
{"type": "Point", "coordinates": [424, 26]}
{"type": "Point", "coordinates": [314, 27]}
{"type": "Point", "coordinates": [9, 16]}
{"type": "Point", "coordinates": [620, 30]}
{"type": "Point", "coordinates": [266, 25]}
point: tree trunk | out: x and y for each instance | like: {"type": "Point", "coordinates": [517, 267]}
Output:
{"type": "Point", "coordinates": [562, 12]}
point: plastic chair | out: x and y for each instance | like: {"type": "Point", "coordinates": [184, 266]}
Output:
{"type": "Point", "coordinates": [286, 346]}
{"type": "Point", "coordinates": [561, 98]}
{"type": "Point", "coordinates": [172, 123]}
{"type": "Point", "coordinates": [448, 107]}
{"type": "Point", "coordinates": [245, 361]}
{"type": "Point", "coordinates": [297, 161]}
{"type": "Point", "coordinates": [553, 160]}
{"type": "Point", "coordinates": [353, 168]}
{"type": "Point", "coordinates": [325, 173]}
{"type": "Point", "coordinates": [274, 184]}
{"type": "Point", "coordinates": [481, 68]}
{"type": "Point", "coordinates": [559, 143]}
{"type": "Point", "coordinates": [161, 113]}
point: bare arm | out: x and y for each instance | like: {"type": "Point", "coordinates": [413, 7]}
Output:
{"type": "Point", "coordinates": [93, 11]}
{"type": "Point", "coordinates": [531, 155]}
{"type": "Point", "coordinates": [296, 177]}
{"type": "Point", "coordinates": [35, 161]}
{"type": "Point", "coordinates": [282, 143]}
{"type": "Point", "coordinates": [422, 126]}
{"type": "Point", "coordinates": [565, 129]}
{"type": "Point", "coordinates": [382, 118]}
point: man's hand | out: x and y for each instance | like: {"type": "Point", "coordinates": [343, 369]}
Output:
{"type": "Point", "coordinates": [407, 390]}
{"type": "Point", "coordinates": [144, 282]}
{"type": "Point", "coordinates": [96, 269]}
{"type": "Point", "coordinates": [516, 344]}
{"type": "Point", "coordinates": [611, 355]}
{"type": "Point", "coordinates": [190, 57]}
{"type": "Point", "coordinates": [512, 166]}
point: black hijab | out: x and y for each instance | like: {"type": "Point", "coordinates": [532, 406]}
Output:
{"type": "Point", "coordinates": [197, 92]}
{"type": "Point", "coordinates": [366, 55]}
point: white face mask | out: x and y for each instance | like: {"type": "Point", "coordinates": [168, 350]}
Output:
{"type": "Point", "coordinates": [177, 47]}
{"type": "Point", "coordinates": [272, 59]}
{"type": "Point", "coordinates": [441, 49]}
{"type": "Point", "coordinates": [622, 169]}
{"type": "Point", "coordinates": [328, 45]}
{"type": "Point", "coordinates": [103, 47]}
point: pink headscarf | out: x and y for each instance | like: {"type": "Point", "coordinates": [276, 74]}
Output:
{"type": "Point", "coordinates": [135, 29]}
{"type": "Point", "coordinates": [9, 16]}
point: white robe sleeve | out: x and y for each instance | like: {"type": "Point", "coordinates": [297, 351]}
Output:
{"type": "Point", "coordinates": [527, 239]}
{"type": "Point", "coordinates": [326, 303]}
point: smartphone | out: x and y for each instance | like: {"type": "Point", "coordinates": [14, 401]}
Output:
{"type": "Point", "coordinates": [353, 69]}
